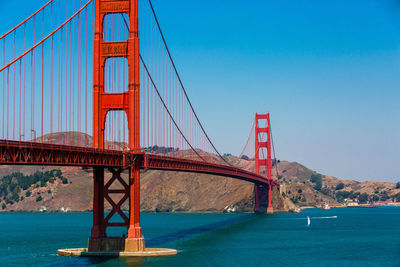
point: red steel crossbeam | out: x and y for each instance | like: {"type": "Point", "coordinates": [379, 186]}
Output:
{"type": "Point", "coordinates": [263, 197]}
{"type": "Point", "coordinates": [116, 207]}
{"type": "Point", "coordinates": [177, 164]}
{"type": "Point", "coordinates": [28, 153]}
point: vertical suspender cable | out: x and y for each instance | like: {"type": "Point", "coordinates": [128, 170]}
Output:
{"type": "Point", "coordinates": [78, 83]}
{"type": "Point", "coordinates": [42, 100]}
{"type": "Point", "coordinates": [24, 106]}
{"type": "Point", "coordinates": [60, 41]}
{"type": "Point", "coordinates": [20, 101]}
{"type": "Point", "coordinates": [33, 84]}
{"type": "Point", "coordinates": [273, 148]}
{"type": "Point", "coordinates": [4, 85]}
{"type": "Point", "coordinates": [66, 74]}
{"type": "Point", "coordinates": [86, 76]}
{"type": "Point", "coordinates": [8, 94]}
{"type": "Point", "coordinates": [51, 77]}
{"type": "Point", "coordinates": [14, 91]}
{"type": "Point", "coordinates": [180, 81]}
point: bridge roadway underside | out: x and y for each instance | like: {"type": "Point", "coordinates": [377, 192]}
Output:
{"type": "Point", "coordinates": [29, 153]}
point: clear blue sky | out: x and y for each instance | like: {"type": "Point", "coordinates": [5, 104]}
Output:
{"type": "Point", "coordinates": [327, 71]}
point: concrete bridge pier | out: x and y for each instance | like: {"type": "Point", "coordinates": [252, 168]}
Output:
{"type": "Point", "coordinates": [263, 199]}
{"type": "Point", "coordinates": [101, 245]}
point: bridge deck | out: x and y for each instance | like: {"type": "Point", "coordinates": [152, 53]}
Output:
{"type": "Point", "coordinates": [30, 153]}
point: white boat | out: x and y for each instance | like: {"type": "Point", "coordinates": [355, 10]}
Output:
{"type": "Point", "coordinates": [308, 221]}
{"type": "Point", "coordinates": [43, 209]}
{"type": "Point", "coordinates": [325, 206]}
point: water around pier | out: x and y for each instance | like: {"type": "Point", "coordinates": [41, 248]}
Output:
{"type": "Point", "coordinates": [337, 237]}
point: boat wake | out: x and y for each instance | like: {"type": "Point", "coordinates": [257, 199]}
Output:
{"type": "Point", "coordinates": [329, 217]}
{"type": "Point", "coordinates": [302, 218]}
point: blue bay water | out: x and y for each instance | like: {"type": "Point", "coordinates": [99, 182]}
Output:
{"type": "Point", "coordinates": [356, 237]}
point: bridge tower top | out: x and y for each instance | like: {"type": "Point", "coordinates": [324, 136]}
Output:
{"type": "Point", "coordinates": [102, 50]}
{"type": "Point", "coordinates": [262, 143]}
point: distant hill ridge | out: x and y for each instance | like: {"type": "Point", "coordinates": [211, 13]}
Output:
{"type": "Point", "coordinates": [184, 192]}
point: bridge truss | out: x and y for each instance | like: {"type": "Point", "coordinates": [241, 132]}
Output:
{"type": "Point", "coordinates": [141, 116]}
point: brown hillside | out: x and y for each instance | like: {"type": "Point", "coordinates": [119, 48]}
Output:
{"type": "Point", "coordinates": [160, 191]}
{"type": "Point", "coordinates": [177, 191]}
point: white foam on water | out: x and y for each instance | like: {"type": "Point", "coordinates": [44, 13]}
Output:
{"type": "Point", "coordinates": [304, 218]}
{"type": "Point", "coordinates": [329, 217]}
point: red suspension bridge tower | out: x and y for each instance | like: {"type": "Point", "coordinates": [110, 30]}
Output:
{"type": "Point", "coordinates": [168, 119]}
{"type": "Point", "coordinates": [263, 162]}
{"type": "Point", "coordinates": [129, 103]}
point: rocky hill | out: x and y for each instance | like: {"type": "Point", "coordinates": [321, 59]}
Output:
{"type": "Point", "coordinates": [309, 188]}
{"type": "Point", "coordinates": [160, 192]}
{"type": "Point", "coordinates": [71, 188]}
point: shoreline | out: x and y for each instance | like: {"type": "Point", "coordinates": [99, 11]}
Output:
{"type": "Point", "coordinates": [144, 212]}
{"type": "Point", "coordinates": [193, 212]}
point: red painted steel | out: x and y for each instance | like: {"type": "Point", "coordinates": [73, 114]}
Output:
{"type": "Point", "coordinates": [27, 153]}
{"type": "Point", "coordinates": [175, 132]}
{"type": "Point", "coordinates": [129, 102]}
{"type": "Point", "coordinates": [262, 192]}
{"type": "Point", "coordinates": [116, 207]}
{"type": "Point", "coordinates": [98, 229]}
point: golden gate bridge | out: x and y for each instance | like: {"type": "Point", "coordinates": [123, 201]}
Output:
{"type": "Point", "coordinates": [103, 67]}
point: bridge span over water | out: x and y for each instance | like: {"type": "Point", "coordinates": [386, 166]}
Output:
{"type": "Point", "coordinates": [103, 67]}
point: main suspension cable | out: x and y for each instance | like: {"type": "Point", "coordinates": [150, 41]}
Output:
{"type": "Point", "coordinates": [273, 148]}
{"type": "Point", "coordinates": [27, 19]}
{"type": "Point", "coordinates": [166, 108]}
{"type": "Point", "coordinates": [247, 142]}
{"type": "Point", "coordinates": [183, 88]}
{"type": "Point", "coordinates": [47, 37]}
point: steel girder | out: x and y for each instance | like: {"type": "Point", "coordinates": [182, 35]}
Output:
{"type": "Point", "coordinates": [29, 153]}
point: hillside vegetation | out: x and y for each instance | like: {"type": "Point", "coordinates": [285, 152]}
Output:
{"type": "Point", "coordinates": [28, 188]}
{"type": "Point", "coordinates": [15, 186]}
{"type": "Point", "coordinates": [306, 187]}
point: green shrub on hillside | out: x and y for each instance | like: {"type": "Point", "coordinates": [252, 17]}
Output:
{"type": "Point", "coordinates": [11, 185]}
{"type": "Point", "coordinates": [317, 180]}
{"type": "Point", "coordinates": [341, 195]}
{"type": "Point", "coordinates": [339, 186]}
{"type": "Point", "coordinates": [295, 200]}
{"type": "Point", "coordinates": [245, 157]}
{"type": "Point", "coordinates": [14, 197]}
{"type": "Point", "coordinates": [363, 198]}
{"type": "Point", "coordinates": [326, 191]}
{"type": "Point", "coordinates": [375, 198]}
{"type": "Point", "coordinates": [384, 196]}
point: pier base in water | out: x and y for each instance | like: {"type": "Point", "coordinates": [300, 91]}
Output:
{"type": "Point", "coordinates": [147, 252]}
{"type": "Point", "coordinates": [116, 244]}
{"type": "Point", "coordinates": [263, 199]}
{"type": "Point", "coordinates": [117, 247]}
